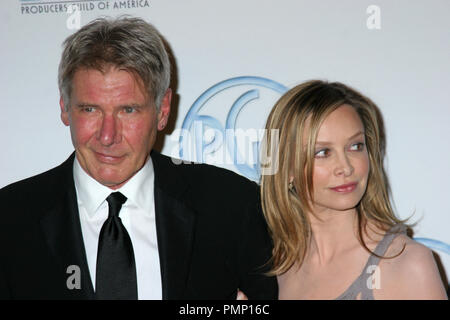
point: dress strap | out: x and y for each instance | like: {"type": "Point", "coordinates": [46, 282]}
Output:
{"type": "Point", "coordinates": [373, 261]}
{"type": "Point", "coordinates": [361, 285]}
{"type": "Point", "coordinates": [384, 244]}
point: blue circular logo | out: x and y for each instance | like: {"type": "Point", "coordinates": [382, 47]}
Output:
{"type": "Point", "coordinates": [194, 123]}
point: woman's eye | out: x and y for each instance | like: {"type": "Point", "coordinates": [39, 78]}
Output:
{"type": "Point", "coordinates": [323, 153]}
{"type": "Point", "coordinates": [357, 146]}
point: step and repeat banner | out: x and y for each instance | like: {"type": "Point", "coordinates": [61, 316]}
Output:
{"type": "Point", "coordinates": [231, 61]}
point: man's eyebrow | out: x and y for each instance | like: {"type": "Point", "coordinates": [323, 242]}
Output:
{"type": "Point", "coordinates": [325, 143]}
{"type": "Point", "coordinates": [85, 104]}
{"type": "Point", "coordinates": [133, 105]}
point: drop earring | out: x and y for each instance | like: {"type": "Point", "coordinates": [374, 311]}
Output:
{"type": "Point", "coordinates": [291, 185]}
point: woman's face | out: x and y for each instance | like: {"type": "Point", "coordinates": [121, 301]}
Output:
{"type": "Point", "coordinates": [341, 162]}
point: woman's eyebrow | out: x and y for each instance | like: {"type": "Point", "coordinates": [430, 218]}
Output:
{"type": "Point", "coordinates": [325, 143]}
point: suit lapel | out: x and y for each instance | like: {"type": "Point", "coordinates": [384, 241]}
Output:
{"type": "Point", "coordinates": [62, 230]}
{"type": "Point", "coordinates": [175, 222]}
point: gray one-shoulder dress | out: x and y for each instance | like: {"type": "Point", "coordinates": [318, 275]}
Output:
{"type": "Point", "coordinates": [362, 287]}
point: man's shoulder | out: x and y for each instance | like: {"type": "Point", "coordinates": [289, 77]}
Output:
{"type": "Point", "coordinates": [36, 185]}
{"type": "Point", "coordinates": [205, 175]}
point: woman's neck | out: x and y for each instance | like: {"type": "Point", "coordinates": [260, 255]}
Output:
{"type": "Point", "coordinates": [333, 233]}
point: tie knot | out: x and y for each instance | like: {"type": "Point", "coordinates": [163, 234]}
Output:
{"type": "Point", "coordinates": [115, 201]}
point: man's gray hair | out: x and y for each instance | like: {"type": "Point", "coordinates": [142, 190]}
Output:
{"type": "Point", "coordinates": [124, 42]}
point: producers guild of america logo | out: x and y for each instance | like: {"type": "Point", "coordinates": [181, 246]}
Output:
{"type": "Point", "coordinates": [63, 6]}
{"type": "Point", "coordinates": [224, 126]}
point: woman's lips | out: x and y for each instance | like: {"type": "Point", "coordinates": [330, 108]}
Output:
{"type": "Point", "coordinates": [345, 188]}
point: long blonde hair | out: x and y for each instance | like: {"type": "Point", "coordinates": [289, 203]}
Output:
{"type": "Point", "coordinates": [298, 115]}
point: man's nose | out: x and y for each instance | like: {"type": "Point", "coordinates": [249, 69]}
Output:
{"type": "Point", "coordinates": [109, 132]}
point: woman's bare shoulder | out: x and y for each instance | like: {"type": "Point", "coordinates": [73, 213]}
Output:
{"type": "Point", "coordinates": [412, 255]}
{"type": "Point", "coordinates": [412, 273]}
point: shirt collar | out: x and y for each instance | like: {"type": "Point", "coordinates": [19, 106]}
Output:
{"type": "Point", "coordinates": [138, 190]}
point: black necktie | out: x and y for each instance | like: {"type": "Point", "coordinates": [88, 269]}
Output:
{"type": "Point", "coordinates": [116, 269]}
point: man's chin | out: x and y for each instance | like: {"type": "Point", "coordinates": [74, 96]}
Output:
{"type": "Point", "coordinates": [110, 178]}
{"type": "Point", "coordinates": [112, 183]}
{"type": "Point", "coordinates": [110, 175]}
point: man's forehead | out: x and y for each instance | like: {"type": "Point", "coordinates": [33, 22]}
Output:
{"type": "Point", "coordinates": [93, 79]}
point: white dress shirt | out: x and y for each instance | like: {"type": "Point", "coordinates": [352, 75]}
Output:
{"type": "Point", "coordinates": [138, 217]}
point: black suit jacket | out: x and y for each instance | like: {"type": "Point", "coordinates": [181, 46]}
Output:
{"type": "Point", "coordinates": [212, 238]}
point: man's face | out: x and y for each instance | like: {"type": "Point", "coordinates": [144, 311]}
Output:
{"type": "Point", "coordinates": [113, 123]}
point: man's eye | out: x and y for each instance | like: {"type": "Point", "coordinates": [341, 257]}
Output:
{"type": "Point", "coordinates": [129, 109]}
{"type": "Point", "coordinates": [88, 109]}
{"type": "Point", "coordinates": [323, 153]}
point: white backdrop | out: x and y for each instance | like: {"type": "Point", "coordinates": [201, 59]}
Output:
{"type": "Point", "coordinates": [396, 52]}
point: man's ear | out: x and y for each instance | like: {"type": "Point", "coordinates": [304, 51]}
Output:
{"type": "Point", "coordinates": [64, 112]}
{"type": "Point", "coordinates": [164, 110]}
